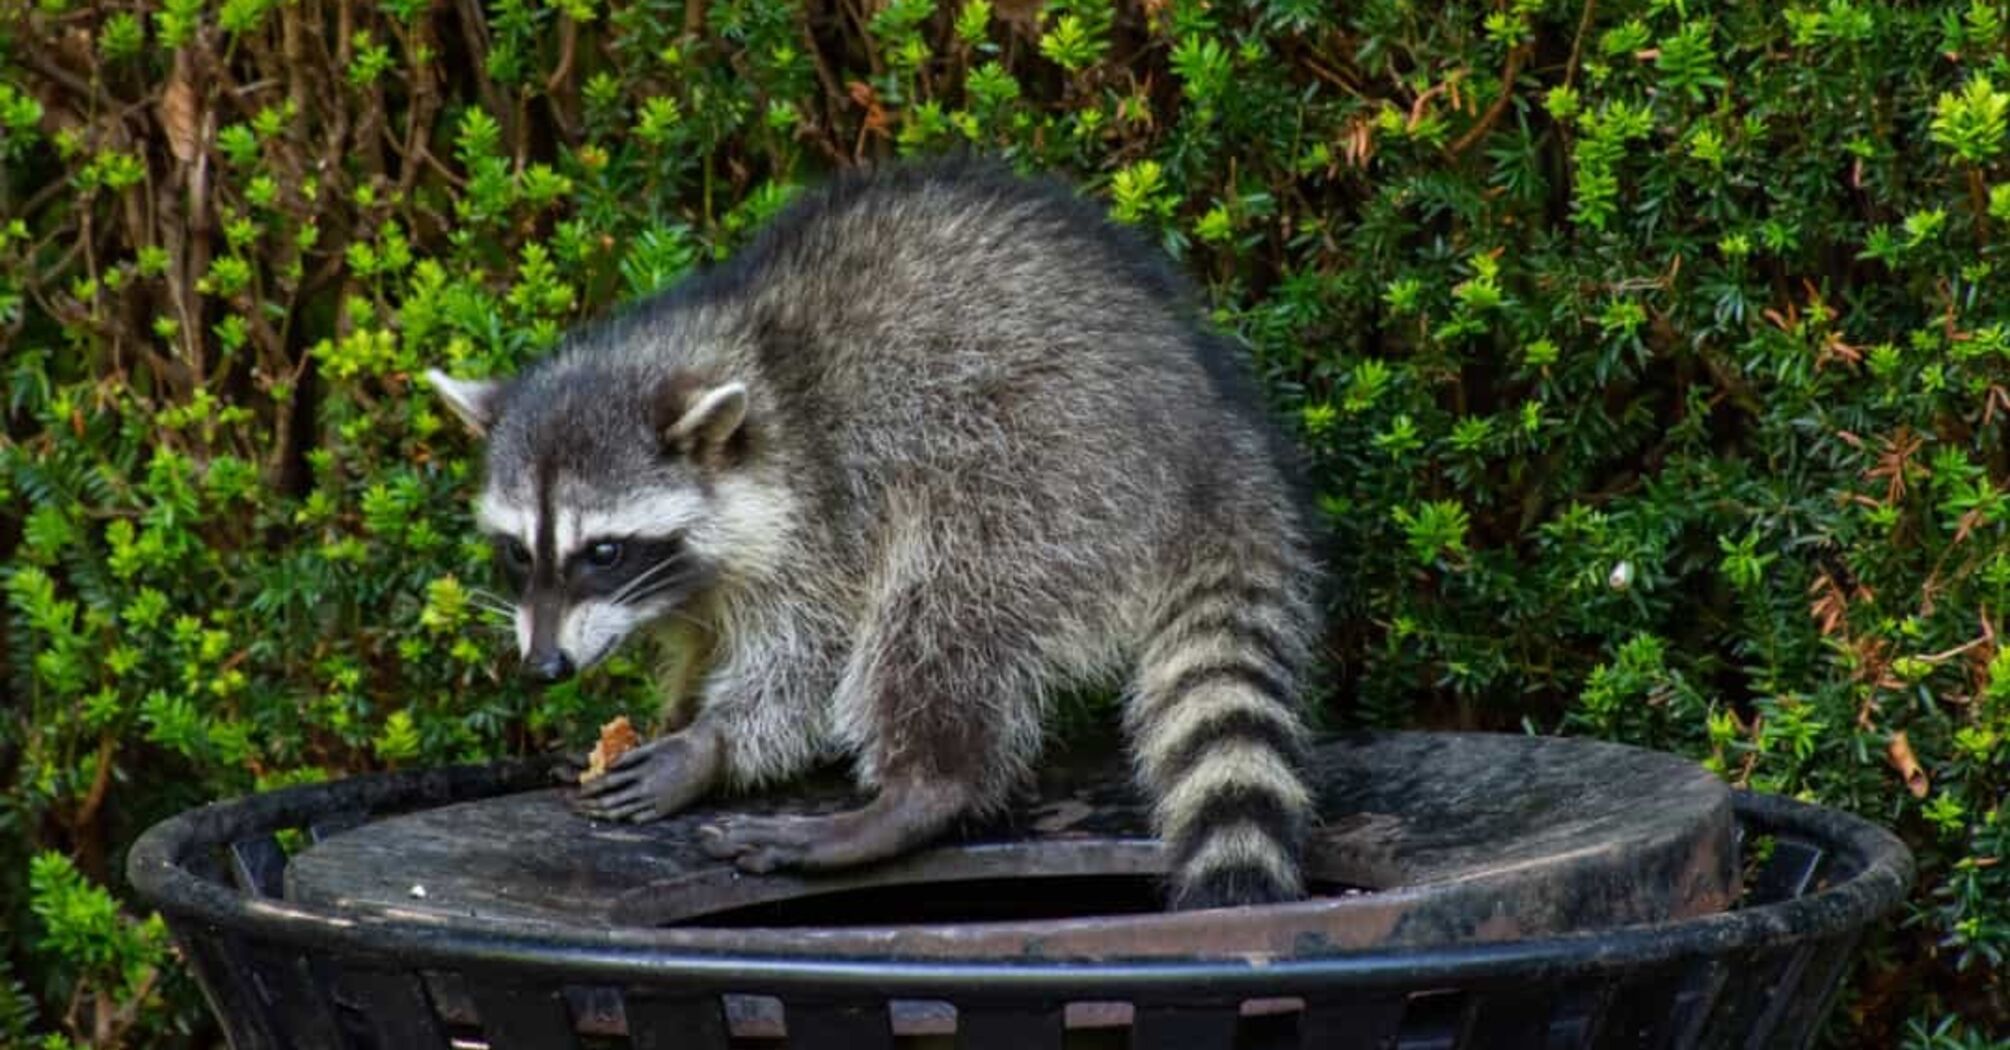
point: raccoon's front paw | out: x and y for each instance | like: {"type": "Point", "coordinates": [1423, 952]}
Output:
{"type": "Point", "coordinates": [653, 781]}
{"type": "Point", "coordinates": [759, 845]}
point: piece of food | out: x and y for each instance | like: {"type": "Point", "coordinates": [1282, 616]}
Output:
{"type": "Point", "coordinates": [616, 738]}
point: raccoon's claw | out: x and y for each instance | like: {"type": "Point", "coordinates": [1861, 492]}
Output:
{"type": "Point", "coordinates": [759, 845]}
{"type": "Point", "coordinates": [905, 815]}
{"type": "Point", "coordinates": [631, 798]}
{"type": "Point", "coordinates": [638, 810]}
{"type": "Point", "coordinates": [652, 781]}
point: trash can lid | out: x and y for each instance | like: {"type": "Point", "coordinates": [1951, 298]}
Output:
{"type": "Point", "coordinates": [1425, 839]}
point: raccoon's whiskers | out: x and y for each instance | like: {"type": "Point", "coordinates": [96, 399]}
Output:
{"type": "Point", "coordinates": [493, 606]}
{"type": "Point", "coordinates": [628, 590]}
{"type": "Point", "coordinates": [653, 590]}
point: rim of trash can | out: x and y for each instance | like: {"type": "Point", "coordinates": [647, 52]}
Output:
{"type": "Point", "coordinates": [1879, 872]}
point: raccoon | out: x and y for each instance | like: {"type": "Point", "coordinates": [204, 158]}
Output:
{"type": "Point", "coordinates": [940, 443]}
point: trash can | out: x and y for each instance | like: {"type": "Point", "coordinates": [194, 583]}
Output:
{"type": "Point", "coordinates": [1469, 890]}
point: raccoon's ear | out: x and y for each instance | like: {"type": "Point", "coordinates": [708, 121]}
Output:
{"type": "Point", "coordinates": [710, 417]}
{"type": "Point", "coordinates": [474, 400]}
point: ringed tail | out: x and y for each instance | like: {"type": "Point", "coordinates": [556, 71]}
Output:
{"type": "Point", "coordinates": [1218, 737]}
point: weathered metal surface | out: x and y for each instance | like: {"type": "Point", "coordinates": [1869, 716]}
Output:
{"type": "Point", "coordinates": [1459, 838]}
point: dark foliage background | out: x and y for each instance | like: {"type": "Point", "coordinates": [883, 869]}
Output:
{"type": "Point", "coordinates": [1652, 354]}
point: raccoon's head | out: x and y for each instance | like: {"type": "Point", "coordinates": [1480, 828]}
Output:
{"type": "Point", "coordinates": [613, 497]}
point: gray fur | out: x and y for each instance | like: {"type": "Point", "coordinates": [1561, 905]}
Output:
{"type": "Point", "coordinates": [988, 453]}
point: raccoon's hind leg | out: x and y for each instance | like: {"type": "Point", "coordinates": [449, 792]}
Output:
{"type": "Point", "coordinates": [1217, 735]}
{"type": "Point", "coordinates": [942, 722]}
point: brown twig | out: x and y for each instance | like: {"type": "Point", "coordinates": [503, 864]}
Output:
{"type": "Point", "coordinates": [560, 95]}
{"type": "Point", "coordinates": [293, 41]}
{"type": "Point", "coordinates": [84, 827]}
{"type": "Point", "coordinates": [424, 104]}
{"type": "Point", "coordinates": [862, 28]}
{"type": "Point", "coordinates": [1577, 42]}
{"type": "Point", "coordinates": [474, 33]}
{"type": "Point", "coordinates": [568, 45]}
{"type": "Point", "coordinates": [1492, 116]}
{"type": "Point", "coordinates": [101, 780]}
{"type": "Point", "coordinates": [1332, 77]}
{"type": "Point", "coordinates": [38, 61]}
{"type": "Point", "coordinates": [833, 90]}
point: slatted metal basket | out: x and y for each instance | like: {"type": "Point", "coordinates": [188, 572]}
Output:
{"type": "Point", "coordinates": [281, 974]}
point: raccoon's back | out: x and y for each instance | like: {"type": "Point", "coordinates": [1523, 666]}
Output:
{"type": "Point", "coordinates": [976, 312]}
{"type": "Point", "coordinates": [960, 274]}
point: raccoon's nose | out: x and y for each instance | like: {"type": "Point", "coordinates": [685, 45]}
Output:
{"type": "Point", "coordinates": [553, 666]}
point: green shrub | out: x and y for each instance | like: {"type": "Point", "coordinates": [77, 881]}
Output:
{"type": "Point", "coordinates": [1653, 359]}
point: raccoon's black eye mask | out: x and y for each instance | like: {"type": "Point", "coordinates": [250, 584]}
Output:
{"type": "Point", "coordinates": [627, 568]}
{"type": "Point", "coordinates": [513, 557]}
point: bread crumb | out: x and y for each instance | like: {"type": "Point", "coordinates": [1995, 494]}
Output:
{"type": "Point", "coordinates": [616, 739]}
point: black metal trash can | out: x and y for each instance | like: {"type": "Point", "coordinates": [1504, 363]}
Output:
{"type": "Point", "coordinates": [285, 974]}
